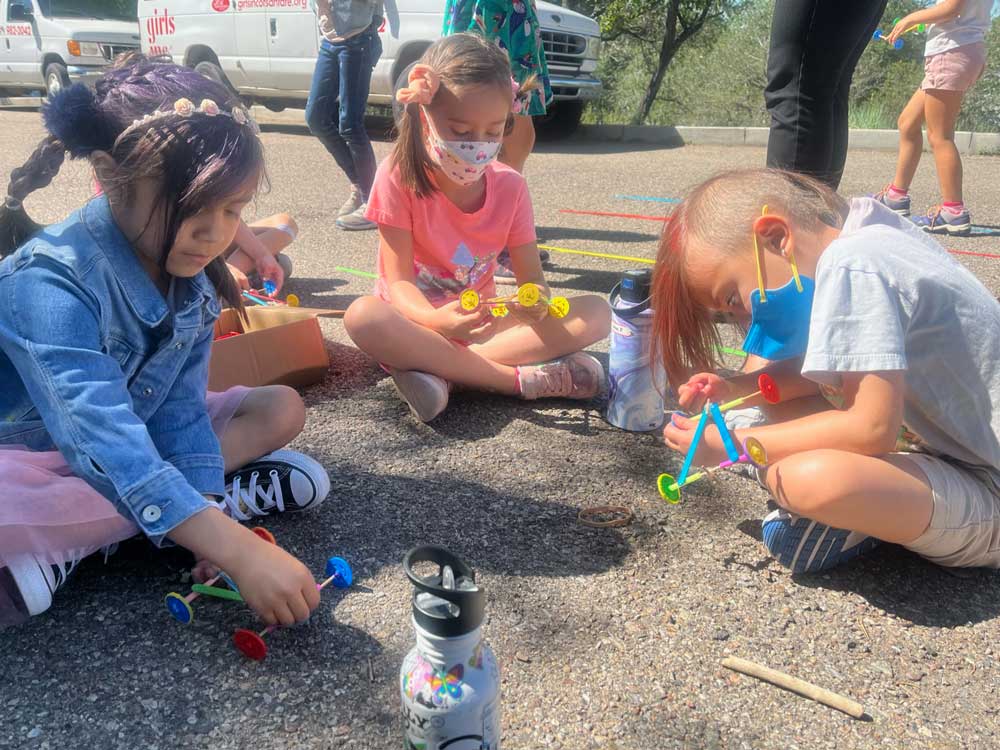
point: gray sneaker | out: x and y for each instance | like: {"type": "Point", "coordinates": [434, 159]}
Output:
{"type": "Point", "coordinates": [353, 203]}
{"type": "Point", "coordinates": [286, 265]}
{"type": "Point", "coordinates": [356, 221]}
{"type": "Point", "coordinates": [899, 205]}
{"type": "Point", "coordinates": [426, 394]}
{"type": "Point", "coordinates": [578, 376]}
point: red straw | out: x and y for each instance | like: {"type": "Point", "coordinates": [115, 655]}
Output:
{"type": "Point", "coordinates": [620, 216]}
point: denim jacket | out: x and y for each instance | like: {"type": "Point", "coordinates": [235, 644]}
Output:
{"type": "Point", "coordinates": [95, 363]}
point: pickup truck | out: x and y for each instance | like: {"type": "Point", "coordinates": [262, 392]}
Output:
{"type": "Point", "coordinates": [47, 45]}
{"type": "Point", "coordinates": [265, 50]}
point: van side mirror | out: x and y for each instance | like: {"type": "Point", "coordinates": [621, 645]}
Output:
{"type": "Point", "coordinates": [19, 13]}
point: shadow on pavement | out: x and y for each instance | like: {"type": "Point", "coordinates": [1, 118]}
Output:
{"type": "Point", "coordinates": [315, 292]}
{"type": "Point", "coordinates": [909, 587]}
{"type": "Point", "coordinates": [554, 235]}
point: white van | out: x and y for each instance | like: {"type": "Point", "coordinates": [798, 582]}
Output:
{"type": "Point", "coordinates": [265, 50]}
{"type": "Point", "coordinates": [49, 43]}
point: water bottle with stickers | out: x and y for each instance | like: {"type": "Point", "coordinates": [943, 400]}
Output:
{"type": "Point", "coordinates": [635, 385]}
{"type": "Point", "coordinates": [449, 683]}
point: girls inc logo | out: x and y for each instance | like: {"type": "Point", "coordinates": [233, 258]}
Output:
{"type": "Point", "coordinates": [158, 26]}
{"type": "Point", "coordinates": [220, 6]}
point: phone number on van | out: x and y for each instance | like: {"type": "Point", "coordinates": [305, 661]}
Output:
{"type": "Point", "coordinates": [18, 30]}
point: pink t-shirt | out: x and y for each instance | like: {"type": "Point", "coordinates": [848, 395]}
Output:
{"type": "Point", "coordinates": [453, 250]}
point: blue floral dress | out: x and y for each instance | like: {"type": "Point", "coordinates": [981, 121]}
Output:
{"type": "Point", "coordinates": [513, 24]}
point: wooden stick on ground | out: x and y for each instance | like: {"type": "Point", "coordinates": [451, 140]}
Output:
{"type": "Point", "coordinates": [795, 685]}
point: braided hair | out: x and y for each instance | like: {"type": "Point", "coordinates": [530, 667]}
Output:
{"type": "Point", "coordinates": [196, 161]}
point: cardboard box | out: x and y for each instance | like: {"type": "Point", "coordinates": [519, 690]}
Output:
{"type": "Point", "coordinates": [278, 345]}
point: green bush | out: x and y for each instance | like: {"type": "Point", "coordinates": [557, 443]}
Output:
{"type": "Point", "coordinates": [718, 77]}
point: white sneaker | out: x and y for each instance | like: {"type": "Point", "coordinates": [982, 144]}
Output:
{"type": "Point", "coordinates": [356, 221]}
{"type": "Point", "coordinates": [577, 376]}
{"type": "Point", "coordinates": [278, 482]}
{"type": "Point", "coordinates": [353, 203]}
{"type": "Point", "coordinates": [426, 394]}
{"type": "Point", "coordinates": [37, 580]}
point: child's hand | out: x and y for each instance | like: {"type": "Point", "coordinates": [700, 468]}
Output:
{"type": "Point", "coordinates": [529, 315]}
{"type": "Point", "coordinates": [899, 28]}
{"type": "Point", "coordinates": [278, 587]}
{"type": "Point", "coordinates": [705, 385]}
{"type": "Point", "coordinates": [239, 277]}
{"type": "Point", "coordinates": [455, 323]}
{"type": "Point", "coordinates": [268, 268]}
{"type": "Point", "coordinates": [679, 433]}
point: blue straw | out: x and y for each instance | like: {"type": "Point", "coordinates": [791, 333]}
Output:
{"type": "Point", "coordinates": [650, 198]}
{"type": "Point", "coordinates": [254, 299]}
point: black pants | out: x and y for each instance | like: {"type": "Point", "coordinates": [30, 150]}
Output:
{"type": "Point", "coordinates": [815, 46]}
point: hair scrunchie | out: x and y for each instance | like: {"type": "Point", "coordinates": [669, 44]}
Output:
{"type": "Point", "coordinates": [423, 84]}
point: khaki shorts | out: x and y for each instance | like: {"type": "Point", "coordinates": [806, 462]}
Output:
{"type": "Point", "coordinates": [965, 523]}
{"type": "Point", "coordinates": [955, 69]}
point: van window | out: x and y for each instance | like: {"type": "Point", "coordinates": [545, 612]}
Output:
{"type": "Point", "coordinates": [104, 10]}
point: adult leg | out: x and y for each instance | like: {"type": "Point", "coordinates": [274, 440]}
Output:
{"type": "Point", "coordinates": [810, 60]}
{"type": "Point", "coordinates": [357, 59]}
{"type": "Point", "coordinates": [518, 144]}
{"type": "Point", "coordinates": [941, 110]}
{"type": "Point", "coordinates": [860, 31]}
{"type": "Point", "coordinates": [888, 498]}
{"type": "Point", "coordinates": [323, 107]}
{"type": "Point", "coordinates": [911, 141]}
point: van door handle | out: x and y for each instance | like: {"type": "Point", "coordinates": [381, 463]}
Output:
{"type": "Point", "coordinates": [274, 27]}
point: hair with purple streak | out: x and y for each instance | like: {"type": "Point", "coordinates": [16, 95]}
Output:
{"type": "Point", "coordinates": [197, 161]}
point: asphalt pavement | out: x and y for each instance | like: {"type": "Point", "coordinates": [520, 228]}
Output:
{"type": "Point", "coordinates": [607, 638]}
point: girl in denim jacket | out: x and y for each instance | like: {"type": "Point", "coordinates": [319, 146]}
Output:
{"type": "Point", "coordinates": [106, 325]}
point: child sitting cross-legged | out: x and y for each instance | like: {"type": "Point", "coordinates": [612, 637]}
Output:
{"type": "Point", "coordinates": [885, 351]}
{"type": "Point", "coordinates": [445, 210]}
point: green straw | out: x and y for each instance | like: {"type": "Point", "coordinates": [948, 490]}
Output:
{"type": "Point", "coordinates": [356, 272]}
{"type": "Point", "coordinates": [216, 591]}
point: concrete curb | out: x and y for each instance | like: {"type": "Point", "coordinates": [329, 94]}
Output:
{"type": "Point", "coordinates": [875, 140]}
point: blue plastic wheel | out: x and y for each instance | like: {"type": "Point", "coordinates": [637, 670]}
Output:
{"type": "Point", "coordinates": [898, 44]}
{"type": "Point", "coordinates": [877, 35]}
{"type": "Point", "coordinates": [337, 566]}
{"type": "Point", "coordinates": [179, 608]}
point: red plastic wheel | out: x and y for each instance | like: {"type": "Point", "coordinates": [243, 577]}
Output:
{"type": "Point", "coordinates": [768, 388]}
{"type": "Point", "coordinates": [250, 644]}
{"type": "Point", "coordinates": [267, 536]}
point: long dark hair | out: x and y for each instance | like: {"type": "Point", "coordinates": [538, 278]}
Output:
{"type": "Point", "coordinates": [196, 160]}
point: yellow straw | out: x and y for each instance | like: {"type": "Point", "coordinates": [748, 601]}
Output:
{"type": "Point", "coordinates": [756, 260]}
{"type": "Point", "coordinates": [571, 251]}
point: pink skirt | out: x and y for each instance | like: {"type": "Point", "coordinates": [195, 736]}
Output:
{"type": "Point", "coordinates": [47, 511]}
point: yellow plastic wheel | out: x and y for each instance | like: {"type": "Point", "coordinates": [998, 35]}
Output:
{"type": "Point", "coordinates": [755, 452]}
{"type": "Point", "coordinates": [559, 307]}
{"type": "Point", "coordinates": [528, 295]}
{"type": "Point", "coordinates": [292, 300]}
{"type": "Point", "coordinates": [499, 311]}
{"type": "Point", "coordinates": [668, 488]}
{"type": "Point", "coordinates": [469, 300]}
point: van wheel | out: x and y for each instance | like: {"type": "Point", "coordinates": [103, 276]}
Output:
{"type": "Point", "coordinates": [56, 78]}
{"type": "Point", "coordinates": [561, 121]}
{"type": "Point", "coordinates": [214, 73]}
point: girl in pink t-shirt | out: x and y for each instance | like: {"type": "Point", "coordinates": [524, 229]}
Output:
{"type": "Point", "coordinates": [445, 210]}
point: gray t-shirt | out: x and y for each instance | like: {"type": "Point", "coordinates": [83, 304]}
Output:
{"type": "Point", "coordinates": [890, 298]}
{"type": "Point", "coordinates": [970, 27]}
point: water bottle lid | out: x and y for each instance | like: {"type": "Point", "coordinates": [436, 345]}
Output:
{"type": "Point", "coordinates": [635, 285]}
{"type": "Point", "coordinates": [448, 603]}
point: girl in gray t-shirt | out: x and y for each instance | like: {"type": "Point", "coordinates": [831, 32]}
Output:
{"type": "Point", "coordinates": [886, 352]}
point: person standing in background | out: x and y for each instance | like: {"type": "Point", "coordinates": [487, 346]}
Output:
{"type": "Point", "coordinates": [514, 26]}
{"type": "Point", "coordinates": [341, 82]}
{"type": "Point", "coordinates": [815, 47]}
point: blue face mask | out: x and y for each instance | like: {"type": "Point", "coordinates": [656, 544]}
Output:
{"type": "Point", "coordinates": [779, 327]}
{"type": "Point", "coordinates": [779, 318]}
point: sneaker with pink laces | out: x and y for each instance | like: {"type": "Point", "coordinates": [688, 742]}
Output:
{"type": "Point", "coordinates": [578, 376]}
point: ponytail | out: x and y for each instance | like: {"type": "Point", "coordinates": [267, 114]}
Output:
{"type": "Point", "coordinates": [36, 173]}
{"type": "Point", "coordinates": [410, 154]}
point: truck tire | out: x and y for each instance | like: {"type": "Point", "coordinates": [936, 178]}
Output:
{"type": "Point", "coordinates": [561, 121]}
{"type": "Point", "coordinates": [213, 72]}
{"type": "Point", "coordinates": [56, 78]}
